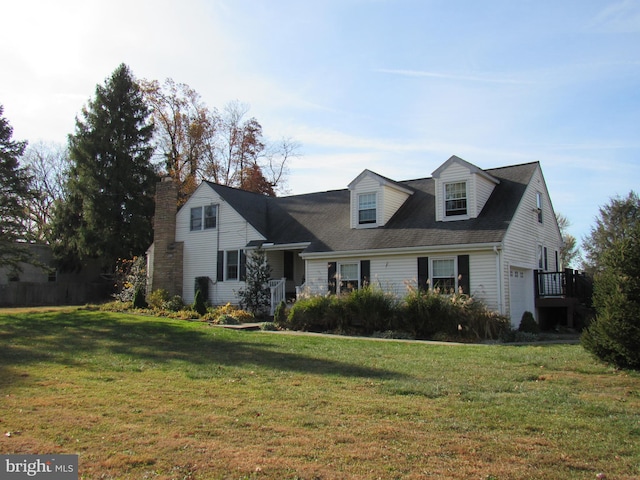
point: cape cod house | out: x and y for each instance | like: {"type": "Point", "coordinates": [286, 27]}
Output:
{"type": "Point", "coordinates": [486, 232]}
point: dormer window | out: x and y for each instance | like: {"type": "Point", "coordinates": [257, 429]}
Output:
{"type": "Point", "coordinates": [366, 208]}
{"type": "Point", "coordinates": [374, 199]}
{"type": "Point", "coordinates": [455, 196]}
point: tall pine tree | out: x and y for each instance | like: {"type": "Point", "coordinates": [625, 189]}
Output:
{"type": "Point", "coordinates": [15, 192]}
{"type": "Point", "coordinates": [108, 206]}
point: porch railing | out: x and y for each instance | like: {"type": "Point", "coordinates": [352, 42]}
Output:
{"type": "Point", "coordinates": [566, 284]}
{"type": "Point", "coordinates": [278, 293]}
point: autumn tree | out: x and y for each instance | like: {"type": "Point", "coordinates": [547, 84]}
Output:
{"type": "Point", "coordinates": [197, 143]}
{"type": "Point", "coordinates": [15, 194]}
{"type": "Point", "coordinates": [185, 130]}
{"type": "Point", "coordinates": [108, 205]}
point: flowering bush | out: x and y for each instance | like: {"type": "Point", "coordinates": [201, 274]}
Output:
{"type": "Point", "coordinates": [130, 277]}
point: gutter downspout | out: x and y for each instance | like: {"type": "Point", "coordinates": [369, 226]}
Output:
{"type": "Point", "coordinates": [499, 279]}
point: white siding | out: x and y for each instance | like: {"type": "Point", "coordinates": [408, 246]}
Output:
{"type": "Point", "coordinates": [201, 247]}
{"type": "Point", "coordinates": [483, 187]}
{"type": "Point", "coordinates": [392, 200]}
{"type": "Point", "coordinates": [483, 273]}
{"type": "Point", "coordinates": [316, 276]}
{"type": "Point", "coordinates": [395, 273]}
{"type": "Point", "coordinates": [525, 234]}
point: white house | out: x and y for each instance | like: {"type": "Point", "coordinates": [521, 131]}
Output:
{"type": "Point", "coordinates": [486, 232]}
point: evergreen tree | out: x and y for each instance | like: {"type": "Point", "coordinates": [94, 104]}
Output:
{"type": "Point", "coordinates": [255, 297]}
{"type": "Point", "coordinates": [108, 205]}
{"type": "Point", "coordinates": [614, 335]}
{"type": "Point", "coordinates": [15, 192]}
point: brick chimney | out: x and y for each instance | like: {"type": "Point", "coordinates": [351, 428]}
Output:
{"type": "Point", "coordinates": [166, 253]}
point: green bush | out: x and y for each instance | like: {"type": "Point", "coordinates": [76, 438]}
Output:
{"type": "Point", "coordinates": [226, 320]}
{"type": "Point", "coordinates": [158, 298]}
{"type": "Point", "coordinates": [199, 304]}
{"type": "Point", "coordinates": [280, 315]}
{"type": "Point", "coordinates": [427, 312]}
{"type": "Point", "coordinates": [614, 335]}
{"type": "Point", "coordinates": [528, 323]}
{"type": "Point", "coordinates": [370, 309]}
{"type": "Point", "coordinates": [174, 304]}
{"type": "Point", "coordinates": [421, 314]}
{"type": "Point", "coordinates": [268, 326]}
{"type": "Point", "coordinates": [138, 299]}
{"type": "Point", "coordinates": [318, 314]}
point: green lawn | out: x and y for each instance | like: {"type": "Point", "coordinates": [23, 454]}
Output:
{"type": "Point", "coordinates": [151, 398]}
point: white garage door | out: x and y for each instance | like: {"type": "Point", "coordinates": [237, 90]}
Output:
{"type": "Point", "coordinates": [518, 294]}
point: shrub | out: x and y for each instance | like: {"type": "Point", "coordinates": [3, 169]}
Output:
{"type": "Point", "coordinates": [130, 276]}
{"type": "Point", "coordinates": [199, 304]}
{"type": "Point", "coordinates": [528, 323]}
{"type": "Point", "coordinates": [427, 312]}
{"type": "Point", "coordinates": [318, 313]}
{"type": "Point", "coordinates": [280, 315]}
{"type": "Point", "coordinates": [158, 298]}
{"type": "Point", "coordinates": [242, 316]}
{"type": "Point", "coordinates": [370, 309]}
{"type": "Point", "coordinates": [268, 326]}
{"type": "Point", "coordinates": [482, 322]}
{"type": "Point", "coordinates": [138, 299]}
{"type": "Point", "coordinates": [174, 304]}
{"type": "Point", "coordinates": [226, 320]}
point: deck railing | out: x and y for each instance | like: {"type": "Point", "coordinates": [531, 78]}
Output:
{"type": "Point", "coordinates": [566, 284]}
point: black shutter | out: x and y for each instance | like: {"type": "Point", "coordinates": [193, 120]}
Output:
{"type": "Point", "coordinates": [243, 266]}
{"type": "Point", "coordinates": [331, 276]}
{"type": "Point", "coordinates": [365, 273]}
{"type": "Point", "coordinates": [288, 264]}
{"type": "Point", "coordinates": [463, 274]}
{"type": "Point", "coordinates": [423, 273]}
{"type": "Point", "coordinates": [220, 267]}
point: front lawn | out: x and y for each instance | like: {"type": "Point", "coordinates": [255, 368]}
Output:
{"type": "Point", "coordinates": [140, 397]}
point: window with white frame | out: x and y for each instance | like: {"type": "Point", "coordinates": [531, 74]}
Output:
{"type": "Point", "coordinates": [367, 208]}
{"type": "Point", "coordinates": [349, 277]}
{"type": "Point", "coordinates": [196, 219]}
{"type": "Point", "coordinates": [210, 216]}
{"type": "Point", "coordinates": [539, 206]}
{"type": "Point", "coordinates": [540, 257]}
{"type": "Point", "coordinates": [232, 264]}
{"type": "Point", "coordinates": [443, 274]}
{"type": "Point", "coordinates": [455, 199]}
{"type": "Point", "coordinates": [210, 219]}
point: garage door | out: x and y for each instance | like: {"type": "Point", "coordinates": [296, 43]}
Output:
{"type": "Point", "coordinates": [517, 294]}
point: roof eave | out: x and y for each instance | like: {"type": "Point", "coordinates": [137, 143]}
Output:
{"type": "Point", "coordinates": [454, 248]}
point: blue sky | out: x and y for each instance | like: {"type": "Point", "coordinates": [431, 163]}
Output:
{"type": "Point", "coordinates": [393, 86]}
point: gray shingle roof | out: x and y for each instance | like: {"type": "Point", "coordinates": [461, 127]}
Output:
{"type": "Point", "coordinates": [323, 218]}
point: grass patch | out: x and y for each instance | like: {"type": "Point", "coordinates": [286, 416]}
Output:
{"type": "Point", "coordinates": [144, 397]}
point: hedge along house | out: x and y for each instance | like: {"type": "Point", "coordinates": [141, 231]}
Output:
{"type": "Point", "coordinates": [486, 233]}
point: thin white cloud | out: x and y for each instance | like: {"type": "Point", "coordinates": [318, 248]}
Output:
{"type": "Point", "coordinates": [620, 17]}
{"type": "Point", "coordinates": [451, 76]}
